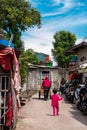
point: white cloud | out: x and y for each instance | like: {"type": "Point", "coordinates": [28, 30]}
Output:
{"type": "Point", "coordinates": [67, 6]}
{"type": "Point", "coordinates": [78, 41]}
{"type": "Point", "coordinates": [34, 3]}
{"type": "Point", "coordinates": [69, 21]}
{"type": "Point", "coordinates": [41, 39]}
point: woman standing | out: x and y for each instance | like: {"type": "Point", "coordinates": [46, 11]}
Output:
{"type": "Point", "coordinates": [46, 84]}
{"type": "Point", "coordinates": [62, 85]}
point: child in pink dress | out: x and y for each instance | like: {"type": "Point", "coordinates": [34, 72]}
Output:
{"type": "Point", "coordinates": [55, 98]}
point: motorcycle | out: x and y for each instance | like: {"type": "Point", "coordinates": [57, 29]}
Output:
{"type": "Point", "coordinates": [69, 93]}
{"type": "Point", "coordinates": [81, 102]}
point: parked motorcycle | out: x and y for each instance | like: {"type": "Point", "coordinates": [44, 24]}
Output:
{"type": "Point", "coordinates": [81, 101]}
{"type": "Point", "coordinates": [69, 93]}
{"type": "Point", "coordinates": [84, 104]}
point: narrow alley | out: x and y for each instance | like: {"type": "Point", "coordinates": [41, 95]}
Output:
{"type": "Point", "coordinates": [37, 115]}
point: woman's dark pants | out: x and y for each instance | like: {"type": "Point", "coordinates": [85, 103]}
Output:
{"type": "Point", "coordinates": [46, 92]}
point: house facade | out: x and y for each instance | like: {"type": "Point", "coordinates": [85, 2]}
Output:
{"type": "Point", "coordinates": [44, 59]}
{"type": "Point", "coordinates": [36, 74]}
{"type": "Point", "coordinates": [80, 65]}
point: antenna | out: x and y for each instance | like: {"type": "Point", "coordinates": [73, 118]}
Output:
{"type": "Point", "coordinates": [10, 41]}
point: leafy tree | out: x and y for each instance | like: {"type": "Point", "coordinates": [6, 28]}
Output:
{"type": "Point", "coordinates": [16, 16]}
{"type": "Point", "coordinates": [28, 56]}
{"type": "Point", "coordinates": [63, 40]}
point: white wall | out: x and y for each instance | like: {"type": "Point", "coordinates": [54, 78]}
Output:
{"type": "Point", "coordinates": [82, 52]}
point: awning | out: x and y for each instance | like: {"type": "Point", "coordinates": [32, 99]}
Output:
{"type": "Point", "coordinates": [82, 70]}
{"type": "Point", "coordinates": [82, 66]}
{"type": "Point", "coordinates": [5, 43]}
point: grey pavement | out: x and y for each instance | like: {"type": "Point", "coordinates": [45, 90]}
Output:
{"type": "Point", "coordinates": [37, 115]}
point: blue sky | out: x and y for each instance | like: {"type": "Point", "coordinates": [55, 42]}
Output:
{"type": "Point", "coordinates": [57, 15]}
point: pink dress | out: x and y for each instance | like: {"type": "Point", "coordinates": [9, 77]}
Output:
{"type": "Point", "coordinates": [55, 98]}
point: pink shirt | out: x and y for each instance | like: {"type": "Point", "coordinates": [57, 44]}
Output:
{"type": "Point", "coordinates": [55, 98]}
{"type": "Point", "coordinates": [46, 82]}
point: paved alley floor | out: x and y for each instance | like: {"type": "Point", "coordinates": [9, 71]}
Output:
{"type": "Point", "coordinates": [37, 115]}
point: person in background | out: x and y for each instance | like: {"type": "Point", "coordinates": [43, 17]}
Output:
{"type": "Point", "coordinates": [62, 86]}
{"type": "Point", "coordinates": [55, 98]}
{"type": "Point", "coordinates": [46, 84]}
{"type": "Point", "coordinates": [77, 90]}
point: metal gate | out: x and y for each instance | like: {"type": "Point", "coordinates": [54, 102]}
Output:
{"type": "Point", "coordinates": [4, 95]}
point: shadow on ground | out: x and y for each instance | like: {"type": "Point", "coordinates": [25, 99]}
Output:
{"type": "Point", "coordinates": [38, 98]}
{"type": "Point", "coordinates": [76, 114]}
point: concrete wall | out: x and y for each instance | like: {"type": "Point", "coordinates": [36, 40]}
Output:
{"type": "Point", "coordinates": [35, 77]}
{"type": "Point", "coordinates": [33, 81]}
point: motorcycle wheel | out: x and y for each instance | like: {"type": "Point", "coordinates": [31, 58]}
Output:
{"type": "Point", "coordinates": [84, 107]}
{"type": "Point", "coordinates": [79, 107]}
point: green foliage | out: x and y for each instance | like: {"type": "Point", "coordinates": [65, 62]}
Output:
{"type": "Point", "coordinates": [63, 40]}
{"type": "Point", "coordinates": [28, 56]}
{"type": "Point", "coordinates": [16, 16]}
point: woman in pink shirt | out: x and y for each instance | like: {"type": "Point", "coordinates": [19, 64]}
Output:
{"type": "Point", "coordinates": [46, 84]}
{"type": "Point", "coordinates": [55, 98]}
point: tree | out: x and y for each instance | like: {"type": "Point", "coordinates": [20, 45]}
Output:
{"type": "Point", "coordinates": [16, 16]}
{"type": "Point", "coordinates": [28, 56]}
{"type": "Point", "coordinates": [63, 40]}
